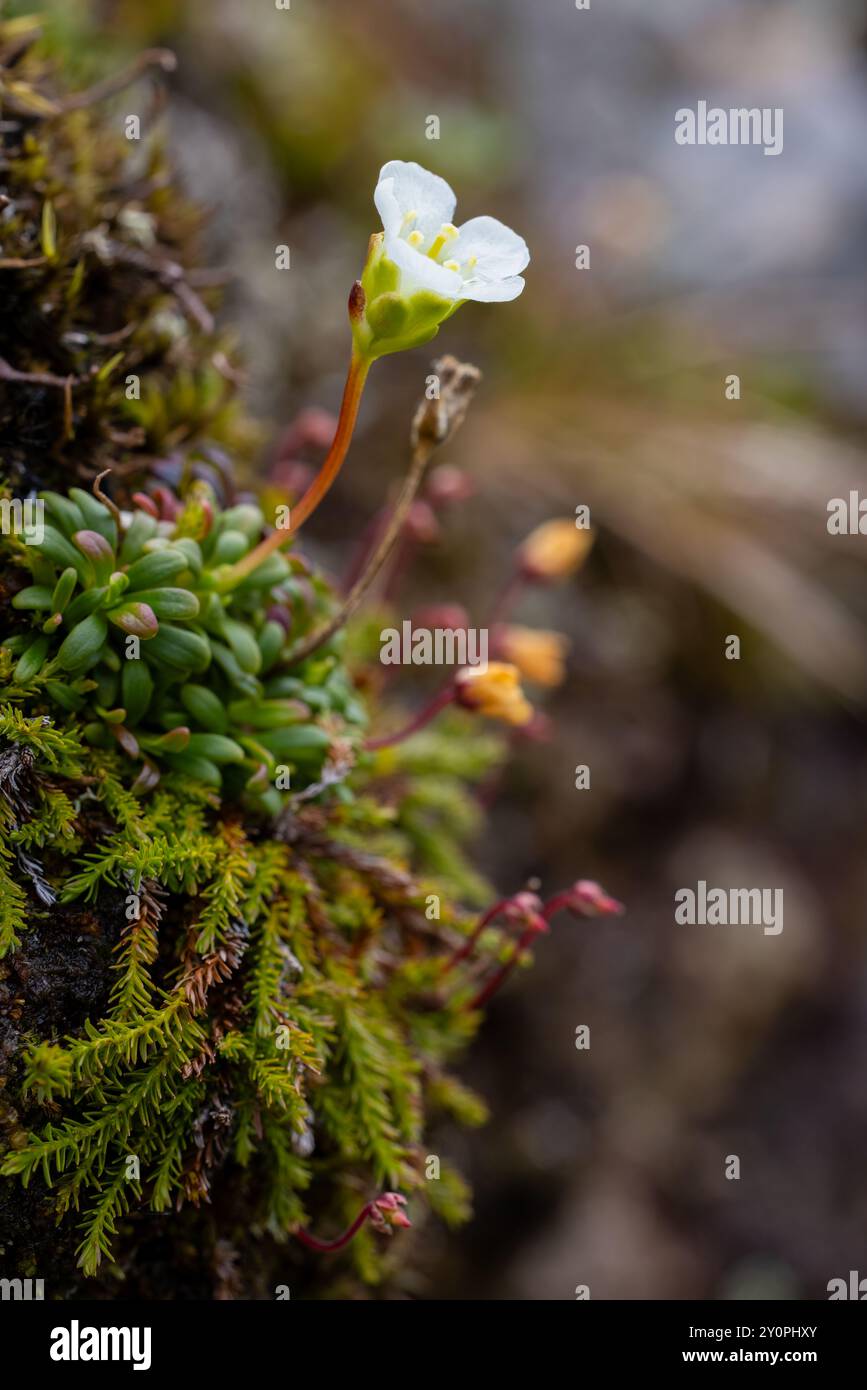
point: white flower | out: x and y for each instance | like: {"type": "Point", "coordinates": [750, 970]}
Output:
{"type": "Point", "coordinates": [481, 260]}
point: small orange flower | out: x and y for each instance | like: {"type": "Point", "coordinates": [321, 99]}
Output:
{"type": "Point", "coordinates": [494, 691]}
{"type": "Point", "coordinates": [555, 550]}
{"type": "Point", "coordinates": [538, 654]}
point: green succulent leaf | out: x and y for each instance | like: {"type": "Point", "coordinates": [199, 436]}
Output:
{"type": "Point", "coordinates": [82, 648]}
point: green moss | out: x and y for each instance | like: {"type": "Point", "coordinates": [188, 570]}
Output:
{"type": "Point", "coordinates": [212, 982]}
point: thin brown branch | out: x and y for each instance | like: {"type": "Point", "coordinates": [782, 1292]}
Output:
{"type": "Point", "coordinates": [435, 422]}
{"type": "Point", "coordinates": [161, 58]}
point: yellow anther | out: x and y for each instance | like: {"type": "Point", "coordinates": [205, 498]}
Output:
{"type": "Point", "coordinates": [451, 265]}
{"type": "Point", "coordinates": [416, 238]}
{"type": "Point", "coordinates": [472, 262]}
{"type": "Point", "coordinates": [448, 231]}
{"type": "Point", "coordinates": [409, 218]}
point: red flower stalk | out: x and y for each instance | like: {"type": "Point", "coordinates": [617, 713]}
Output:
{"type": "Point", "coordinates": [424, 716]}
{"type": "Point", "coordinates": [584, 899]}
{"type": "Point", "coordinates": [384, 1213]}
{"type": "Point", "coordinates": [518, 908]}
{"type": "Point", "coordinates": [535, 926]}
{"type": "Point", "coordinates": [356, 377]}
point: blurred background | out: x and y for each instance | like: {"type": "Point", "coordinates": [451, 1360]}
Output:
{"type": "Point", "coordinates": [606, 387]}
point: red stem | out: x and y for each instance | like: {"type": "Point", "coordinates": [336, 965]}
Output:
{"type": "Point", "coordinates": [429, 711]}
{"type": "Point", "coordinates": [313, 1242]}
{"type": "Point", "coordinates": [355, 379]}
{"type": "Point", "coordinates": [537, 925]}
{"type": "Point", "coordinates": [560, 900]}
{"type": "Point", "coordinates": [464, 951]}
{"type": "Point", "coordinates": [507, 599]}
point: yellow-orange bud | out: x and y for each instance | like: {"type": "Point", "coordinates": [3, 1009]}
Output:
{"type": "Point", "coordinates": [538, 654]}
{"type": "Point", "coordinates": [555, 550]}
{"type": "Point", "coordinates": [494, 691]}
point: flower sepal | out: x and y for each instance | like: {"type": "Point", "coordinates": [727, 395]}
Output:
{"type": "Point", "coordinates": [385, 320]}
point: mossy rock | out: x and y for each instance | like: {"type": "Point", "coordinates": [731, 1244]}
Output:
{"type": "Point", "coordinates": [261, 1044]}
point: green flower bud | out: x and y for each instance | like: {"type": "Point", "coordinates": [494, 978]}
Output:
{"type": "Point", "coordinates": [386, 320]}
{"type": "Point", "coordinates": [118, 585]}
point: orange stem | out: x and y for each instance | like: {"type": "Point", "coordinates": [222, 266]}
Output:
{"type": "Point", "coordinates": [352, 391]}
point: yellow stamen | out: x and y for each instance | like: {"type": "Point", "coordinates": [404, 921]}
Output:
{"type": "Point", "coordinates": [416, 238]}
{"type": "Point", "coordinates": [471, 263]}
{"type": "Point", "coordinates": [448, 231]}
{"type": "Point", "coordinates": [408, 218]}
{"type": "Point", "coordinates": [451, 265]}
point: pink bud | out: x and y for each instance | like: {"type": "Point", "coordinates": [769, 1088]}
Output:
{"type": "Point", "coordinates": [421, 524]}
{"type": "Point", "coordinates": [522, 905]}
{"type": "Point", "coordinates": [146, 504]}
{"type": "Point", "coordinates": [449, 484]}
{"type": "Point", "coordinates": [588, 899]}
{"type": "Point", "coordinates": [169, 505]}
{"type": "Point", "coordinates": [292, 476]}
{"type": "Point", "coordinates": [282, 614]}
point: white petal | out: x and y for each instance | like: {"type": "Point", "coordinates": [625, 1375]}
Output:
{"type": "Point", "coordinates": [493, 291]}
{"type": "Point", "coordinates": [498, 250]}
{"type": "Point", "coordinates": [419, 272]}
{"type": "Point", "coordinates": [406, 187]}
